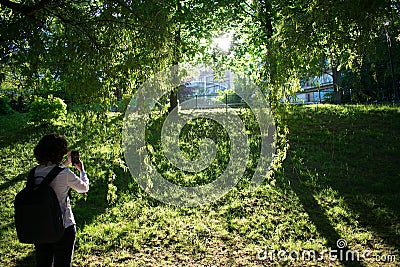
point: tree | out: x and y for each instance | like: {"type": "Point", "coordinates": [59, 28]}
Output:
{"type": "Point", "coordinates": [92, 48]}
{"type": "Point", "coordinates": [294, 38]}
{"type": "Point", "coordinates": [97, 48]}
{"type": "Point", "coordinates": [371, 77]}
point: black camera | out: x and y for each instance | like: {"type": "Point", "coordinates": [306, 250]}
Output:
{"type": "Point", "coordinates": [75, 156]}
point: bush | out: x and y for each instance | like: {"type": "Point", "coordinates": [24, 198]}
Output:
{"type": "Point", "coordinates": [5, 105]}
{"type": "Point", "coordinates": [229, 97]}
{"type": "Point", "coordinates": [47, 111]}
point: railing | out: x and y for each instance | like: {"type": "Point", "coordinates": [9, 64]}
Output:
{"type": "Point", "coordinates": [317, 87]}
{"type": "Point", "coordinates": [210, 101]}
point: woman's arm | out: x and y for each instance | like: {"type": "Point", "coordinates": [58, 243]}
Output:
{"type": "Point", "coordinates": [81, 184]}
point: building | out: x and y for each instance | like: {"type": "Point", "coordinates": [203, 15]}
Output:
{"type": "Point", "coordinates": [203, 89]}
{"type": "Point", "coordinates": [316, 89]}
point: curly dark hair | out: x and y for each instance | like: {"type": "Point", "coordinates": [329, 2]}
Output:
{"type": "Point", "coordinates": [51, 148]}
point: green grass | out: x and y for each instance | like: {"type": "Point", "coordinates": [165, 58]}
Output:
{"type": "Point", "coordinates": [340, 179]}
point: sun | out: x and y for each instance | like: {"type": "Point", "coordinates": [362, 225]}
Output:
{"type": "Point", "coordinates": [223, 42]}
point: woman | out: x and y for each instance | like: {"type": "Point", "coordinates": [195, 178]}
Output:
{"type": "Point", "coordinates": [49, 152]}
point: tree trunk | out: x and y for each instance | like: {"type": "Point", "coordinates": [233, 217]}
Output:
{"type": "Point", "coordinates": [337, 82]}
{"type": "Point", "coordinates": [173, 97]}
{"type": "Point", "coordinates": [268, 18]}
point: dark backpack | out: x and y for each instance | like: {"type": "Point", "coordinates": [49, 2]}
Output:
{"type": "Point", "coordinates": [38, 216]}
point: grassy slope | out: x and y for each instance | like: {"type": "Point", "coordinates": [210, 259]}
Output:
{"type": "Point", "coordinates": [340, 180]}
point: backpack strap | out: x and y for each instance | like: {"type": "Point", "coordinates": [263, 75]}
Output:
{"type": "Point", "coordinates": [31, 177]}
{"type": "Point", "coordinates": [51, 175]}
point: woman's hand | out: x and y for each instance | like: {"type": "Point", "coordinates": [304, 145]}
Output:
{"type": "Point", "coordinates": [78, 166]}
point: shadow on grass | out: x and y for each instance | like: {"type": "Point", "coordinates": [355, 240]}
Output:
{"type": "Point", "coordinates": [87, 209]}
{"type": "Point", "coordinates": [357, 154]}
{"type": "Point", "coordinates": [10, 183]}
{"type": "Point", "coordinates": [321, 221]}
{"type": "Point", "coordinates": [16, 130]}
{"type": "Point", "coordinates": [27, 261]}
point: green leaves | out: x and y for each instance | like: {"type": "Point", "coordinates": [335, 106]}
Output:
{"type": "Point", "coordinates": [47, 111]}
{"type": "Point", "coordinates": [99, 50]}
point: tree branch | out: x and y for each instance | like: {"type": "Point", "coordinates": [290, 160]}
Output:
{"type": "Point", "coordinates": [245, 11]}
{"type": "Point", "coordinates": [76, 27]}
{"type": "Point", "coordinates": [25, 9]}
{"type": "Point", "coordinates": [139, 19]}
